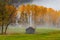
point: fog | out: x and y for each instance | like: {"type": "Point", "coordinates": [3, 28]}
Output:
{"type": "Point", "coordinates": [55, 4]}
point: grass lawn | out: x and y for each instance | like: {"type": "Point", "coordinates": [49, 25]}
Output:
{"type": "Point", "coordinates": [40, 34]}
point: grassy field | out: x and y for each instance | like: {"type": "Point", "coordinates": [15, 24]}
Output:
{"type": "Point", "coordinates": [40, 34]}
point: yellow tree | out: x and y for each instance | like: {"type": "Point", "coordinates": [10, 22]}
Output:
{"type": "Point", "coordinates": [10, 13]}
{"type": "Point", "coordinates": [22, 9]}
{"type": "Point", "coordinates": [58, 18]}
{"type": "Point", "coordinates": [52, 15]}
{"type": "Point", "coordinates": [41, 12]}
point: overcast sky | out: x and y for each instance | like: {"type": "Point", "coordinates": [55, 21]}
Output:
{"type": "Point", "coordinates": [55, 4]}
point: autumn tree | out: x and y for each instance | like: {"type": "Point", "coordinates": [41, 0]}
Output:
{"type": "Point", "coordinates": [10, 15]}
{"type": "Point", "coordinates": [6, 12]}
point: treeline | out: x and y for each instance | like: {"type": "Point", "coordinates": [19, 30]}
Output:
{"type": "Point", "coordinates": [41, 14]}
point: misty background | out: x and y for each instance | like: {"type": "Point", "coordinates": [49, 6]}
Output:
{"type": "Point", "coordinates": [55, 4]}
{"type": "Point", "coordinates": [47, 3]}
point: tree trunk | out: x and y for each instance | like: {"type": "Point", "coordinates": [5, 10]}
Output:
{"type": "Point", "coordinates": [6, 28]}
{"type": "Point", "coordinates": [2, 29]}
{"type": "Point", "coordinates": [2, 24]}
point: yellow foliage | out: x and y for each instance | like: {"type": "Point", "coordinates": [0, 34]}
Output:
{"type": "Point", "coordinates": [40, 11]}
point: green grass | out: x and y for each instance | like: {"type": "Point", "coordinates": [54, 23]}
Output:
{"type": "Point", "coordinates": [40, 34]}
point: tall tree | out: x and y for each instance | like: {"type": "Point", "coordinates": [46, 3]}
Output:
{"type": "Point", "coordinates": [7, 12]}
